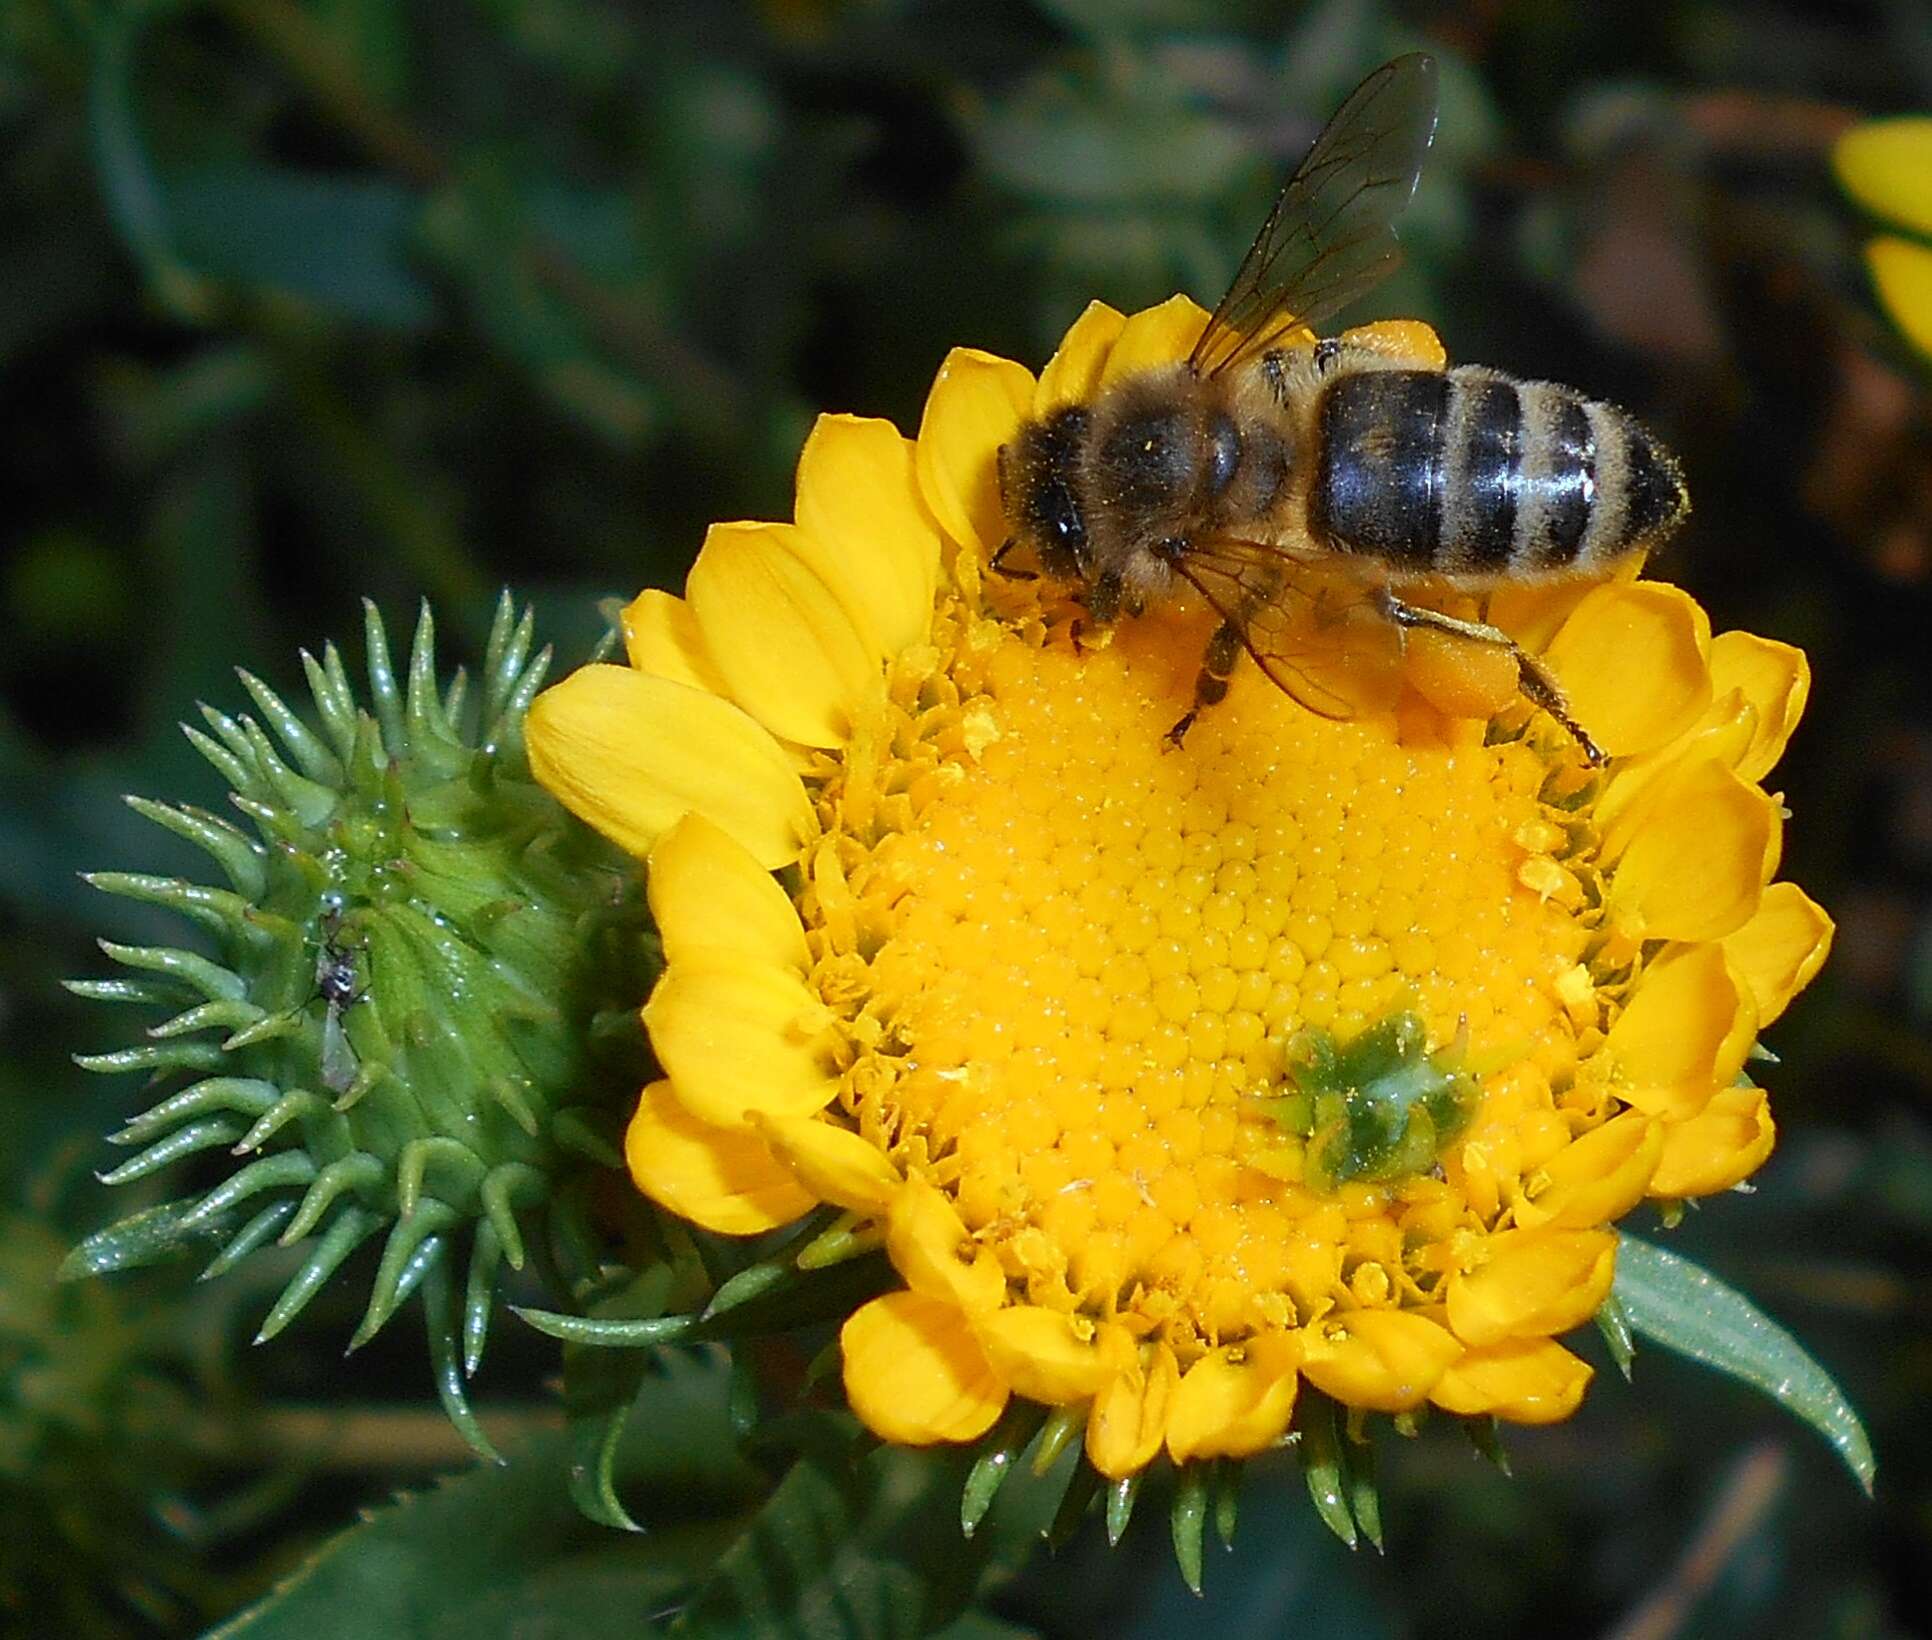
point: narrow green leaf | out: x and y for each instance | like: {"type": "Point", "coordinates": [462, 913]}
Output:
{"type": "Point", "coordinates": [1120, 1507]}
{"type": "Point", "coordinates": [615, 1333]}
{"type": "Point", "coordinates": [1687, 1309]}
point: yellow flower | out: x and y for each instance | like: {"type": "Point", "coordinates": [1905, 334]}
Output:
{"type": "Point", "coordinates": [1171, 1079]}
{"type": "Point", "coordinates": [1886, 165]}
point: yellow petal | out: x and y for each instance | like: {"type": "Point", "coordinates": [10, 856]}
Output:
{"type": "Point", "coordinates": [931, 1248]}
{"type": "Point", "coordinates": [1684, 1034]}
{"type": "Point", "coordinates": [867, 534]}
{"type": "Point", "coordinates": [779, 636]}
{"type": "Point", "coordinates": [1596, 1178]}
{"type": "Point", "coordinates": [1130, 1415]}
{"type": "Point", "coordinates": [1410, 340]}
{"type": "Point", "coordinates": [707, 892]}
{"type": "Point", "coordinates": [1902, 271]}
{"type": "Point", "coordinates": [1155, 336]}
{"type": "Point", "coordinates": [1886, 165]}
{"type": "Point", "coordinates": [661, 637]}
{"type": "Point", "coordinates": [1778, 951]}
{"type": "Point", "coordinates": [632, 754]}
{"type": "Point", "coordinates": [724, 1181]}
{"type": "Point", "coordinates": [1633, 660]}
{"type": "Point", "coordinates": [1696, 869]}
{"type": "Point", "coordinates": [1235, 1401]}
{"type": "Point", "coordinates": [1725, 1142]}
{"type": "Point", "coordinates": [977, 401]}
{"type": "Point", "coordinates": [1045, 1355]}
{"type": "Point", "coordinates": [1522, 1380]}
{"type": "Point", "coordinates": [738, 1038]}
{"type": "Point", "coordinates": [834, 1163]}
{"type": "Point", "coordinates": [1385, 1360]}
{"type": "Point", "coordinates": [915, 1374]}
{"type": "Point", "coordinates": [1073, 372]}
{"type": "Point", "coordinates": [1725, 734]}
{"type": "Point", "coordinates": [1532, 1283]}
{"type": "Point", "coordinates": [1776, 679]}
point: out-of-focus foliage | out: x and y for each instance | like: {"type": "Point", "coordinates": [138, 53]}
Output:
{"type": "Point", "coordinates": [306, 300]}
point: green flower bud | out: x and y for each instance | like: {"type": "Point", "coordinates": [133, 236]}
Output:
{"type": "Point", "coordinates": [413, 1021]}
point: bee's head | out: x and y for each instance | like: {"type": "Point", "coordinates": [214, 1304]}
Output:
{"type": "Point", "coordinates": [1039, 472]}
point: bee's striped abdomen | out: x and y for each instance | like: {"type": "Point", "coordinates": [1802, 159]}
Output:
{"type": "Point", "coordinates": [1466, 472]}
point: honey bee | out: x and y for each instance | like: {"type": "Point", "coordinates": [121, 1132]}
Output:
{"type": "Point", "coordinates": [1300, 486]}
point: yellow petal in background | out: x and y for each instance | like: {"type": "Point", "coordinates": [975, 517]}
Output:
{"type": "Point", "coordinates": [1155, 336]}
{"type": "Point", "coordinates": [632, 754]}
{"type": "Point", "coordinates": [739, 1037]}
{"type": "Point", "coordinates": [1385, 1360]}
{"type": "Point", "coordinates": [1633, 662]}
{"type": "Point", "coordinates": [1778, 951]}
{"type": "Point", "coordinates": [1776, 679]}
{"type": "Point", "coordinates": [1130, 1415]}
{"type": "Point", "coordinates": [1684, 1034]}
{"type": "Point", "coordinates": [1073, 372]}
{"type": "Point", "coordinates": [1706, 845]}
{"type": "Point", "coordinates": [779, 635]}
{"type": "Point", "coordinates": [1045, 1355]}
{"type": "Point", "coordinates": [1596, 1178]}
{"type": "Point", "coordinates": [707, 892]}
{"type": "Point", "coordinates": [915, 1374]}
{"type": "Point", "coordinates": [1532, 1283]}
{"type": "Point", "coordinates": [977, 401]}
{"type": "Point", "coordinates": [1726, 1142]}
{"type": "Point", "coordinates": [1886, 165]}
{"type": "Point", "coordinates": [661, 637]}
{"type": "Point", "coordinates": [1523, 1380]}
{"type": "Point", "coordinates": [727, 1182]}
{"type": "Point", "coordinates": [931, 1248]}
{"type": "Point", "coordinates": [1235, 1401]}
{"type": "Point", "coordinates": [834, 1163]}
{"type": "Point", "coordinates": [867, 534]}
{"type": "Point", "coordinates": [1902, 271]}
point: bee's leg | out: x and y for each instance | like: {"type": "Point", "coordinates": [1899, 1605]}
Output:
{"type": "Point", "coordinates": [997, 563]}
{"type": "Point", "coordinates": [1103, 602]}
{"type": "Point", "coordinates": [1211, 686]}
{"type": "Point", "coordinates": [1539, 688]}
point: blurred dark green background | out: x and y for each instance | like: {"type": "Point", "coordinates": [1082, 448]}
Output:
{"type": "Point", "coordinates": [306, 300]}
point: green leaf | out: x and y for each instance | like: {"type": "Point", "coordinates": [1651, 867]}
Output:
{"type": "Point", "coordinates": [1321, 1462]}
{"type": "Point", "coordinates": [1687, 1309]}
{"type": "Point", "coordinates": [341, 242]}
{"type": "Point", "coordinates": [866, 1551]}
{"type": "Point", "coordinates": [503, 1550]}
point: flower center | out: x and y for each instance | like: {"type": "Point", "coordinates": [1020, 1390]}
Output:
{"type": "Point", "coordinates": [1186, 1032]}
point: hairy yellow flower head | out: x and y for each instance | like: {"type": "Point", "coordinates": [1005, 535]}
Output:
{"type": "Point", "coordinates": [1174, 1078]}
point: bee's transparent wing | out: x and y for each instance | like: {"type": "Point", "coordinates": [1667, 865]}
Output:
{"type": "Point", "coordinates": [1315, 630]}
{"type": "Point", "coordinates": [1329, 237]}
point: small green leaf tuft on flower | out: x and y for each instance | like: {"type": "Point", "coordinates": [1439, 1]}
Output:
{"type": "Point", "coordinates": [412, 1017]}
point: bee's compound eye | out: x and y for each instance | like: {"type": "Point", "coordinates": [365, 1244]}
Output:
{"type": "Point", "coordinates": [1224, 454]}
{"type": "Point", "coordinates": [1059, 518]}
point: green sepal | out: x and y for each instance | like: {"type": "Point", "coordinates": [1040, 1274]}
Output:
{"type": "Point", "coordinates": [1673, 1302]}
{"type": "Point", "coordinates": [1614, 1325]}
{"type": "Point", "coordinates": [1322, 1465]}
{"type": "Point", "coordinates": [1187, 1521]}
{"type": "Point", "coordinates": [995, 1456]}
{"type": "Point", "coordinates": [1121, 1495]}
